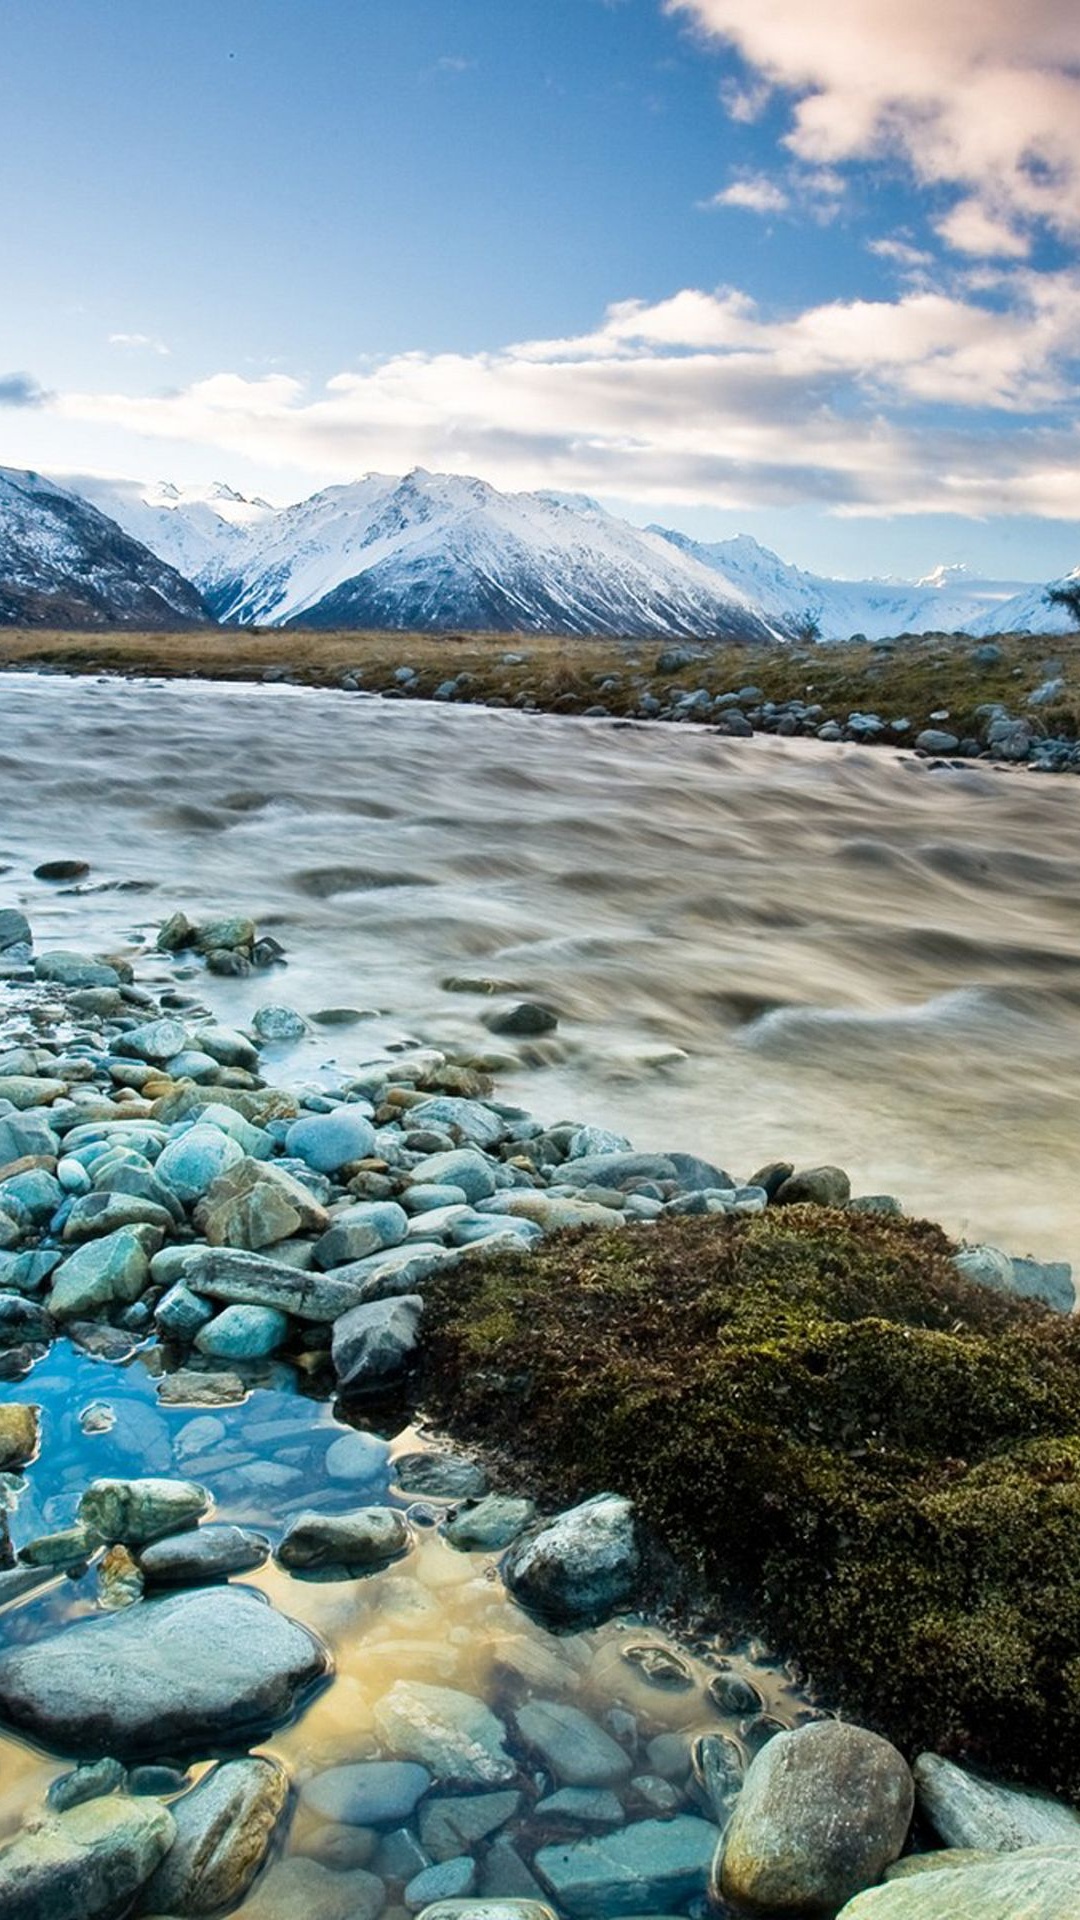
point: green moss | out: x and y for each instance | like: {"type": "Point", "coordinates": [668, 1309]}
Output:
{"type": "Point", "coordinates": [857, 1452]}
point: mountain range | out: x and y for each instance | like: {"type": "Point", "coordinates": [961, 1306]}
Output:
{"type": "Point", "coordinates": [440, 552]}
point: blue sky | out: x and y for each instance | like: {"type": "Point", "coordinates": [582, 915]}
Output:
{"type": "Point", "coordinates": [809, 277]}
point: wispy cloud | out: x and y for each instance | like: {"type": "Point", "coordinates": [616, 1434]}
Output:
{"type": "Point", "coordinates": [701, 398]}
{"type": "Point", "coordinates": [140, 343]}
{"type": "Point", "coordinates": [21, 390]}
{"type": "Point", "coordinates": [983, 98]}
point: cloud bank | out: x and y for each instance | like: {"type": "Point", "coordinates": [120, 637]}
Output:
{"type": "Point", "coordinates": [940, 400]}
{"type": "Point", "coordinates": [981, 97]}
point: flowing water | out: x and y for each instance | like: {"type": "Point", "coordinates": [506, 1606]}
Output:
{"type": "Point", "coordinates": [756, 949]}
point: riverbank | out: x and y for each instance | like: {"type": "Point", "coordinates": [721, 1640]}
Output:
{"type": "Point", "coordinates": [1015, 699]}
{"type": "Point", "coordinates": [852, 1419]}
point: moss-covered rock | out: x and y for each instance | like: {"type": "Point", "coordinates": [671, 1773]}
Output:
{"type": "Point", "coordinates": [857, 1450]}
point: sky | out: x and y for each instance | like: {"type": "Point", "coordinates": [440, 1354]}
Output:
{"type": "Point", "coordinates": [754, 266]}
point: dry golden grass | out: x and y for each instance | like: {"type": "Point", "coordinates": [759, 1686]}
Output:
{"type": "Point", "coordinates": [914, 677]}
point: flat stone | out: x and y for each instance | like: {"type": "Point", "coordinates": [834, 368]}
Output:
{"type": "Point", "coordinates": [66, 969]}
{"type": "Point", "coordinates": [622, 1170]}
{"type": "Point", "coordinates": [583, 1806]}
{"type": "Point", "coordinates": [1036, 1884]}
{"type": "Point", "coordinates": [968, 1811]}
{"type": "Point", "coordinates": [371, 1793]}
{"type": "Point", "coordinates": [89, 1861]}
{"type": "Point", "coordinates": [572, 1747]}
{"type": "Point", "coordinates": [374, 1343]}
{"type": "Point", "coordinates": [24, 1090]}
{"type": "Point", "coordinates": [448, 1880]}
{"type": "Point", "coordinates": [188, 1388]}
{"type": "Point", "coordinates": [456, 1824]}
{"type": "Point", "coordinates": [139, 1511]}
{"type": "Point", "coordinates": [329, 1141]}
{"type": "Point", "coordinates": [453, 1734]}
{"type": "Point", "coordinates": [823, 1811]}
{"type": "Point", "coordinates": [188, 1673]}
{"type": "Point", "coordinates": [224, 1829]}
{"type": "Point", "coordinates": [206, 1553]}
{"type": "Point", "coordinates": [650, 1867]}
{"type": "Point", "coordinates": [580, 1567]}
{"type": "Point", "coordinates": [396, 1271]}
{"type": "Point", "coordinates": [247, 1279]}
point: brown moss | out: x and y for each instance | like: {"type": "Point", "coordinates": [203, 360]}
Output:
{"type": "Point", "coordinates": [854, 1449]}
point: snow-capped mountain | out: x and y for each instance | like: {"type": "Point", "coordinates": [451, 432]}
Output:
{"type": "Point", "coordinates": [949, 600]}
{"type": "Point", "coordinates": [439, 551]}
{"type": "Point", "coordinates": [1030, 612]}
{"type": "Point", "coordinates": [64, 564]}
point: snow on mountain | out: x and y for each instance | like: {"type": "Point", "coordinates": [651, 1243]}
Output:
{"type": "Point", "coordinates": [65, 564]}
{"type": "Point", "coordinates": [200, 531]}
{"type": "Point", "coordinates": [441, 551]}
{"type": "Point", "coordinates": [949, 600]}
{"type": "Point", "coordinates": [1029, 612]}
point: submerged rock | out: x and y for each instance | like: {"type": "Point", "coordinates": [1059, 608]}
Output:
{"type": "Point", "coordinates": [371, 1793]}
{"type": "Point", "coordinates": [187, 1673]}
{"type": "Point", "coordinates": [224, 1829]}
{"type": "Point", "coordinates": [823, 1811]}
{"type": "Point", "coordinates": [651, 1867]}
{"type": "Point", "coordinates": [452, 1733]}
{"type": "Point", "coordinates": [580, 1567]}
{"type": "Point", "coordinates": [299, 1889]}
{"type": "Point", "coordinates": [572, 1747]}
{"type": "Point", "coordinates": [89, 1861]}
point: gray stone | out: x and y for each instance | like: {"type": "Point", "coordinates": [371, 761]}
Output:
{"type": "Point", "coordinates": [396, 1271]}
{"type": "Point", "coordinates": [155, 1041]}
{"type": "Point", "coordinates": [583, 1806]}
{"type": "Point", "coordinates": [449, 1880]}
{"type": "Point", "coordinates": [95, 1214]}
{"type": "Point", "coordinates": [248, 1279]}
{"type": "Point", "coordinates": [368, 1793]}
{"type": "Point", "coordinates": [192, 1672]}
{"type": "Point", "coordinates": [815, 1186]}
{"type": "Point", "coordinates": [581, 1566]}
{"type": "Point", "coordinates": [90, 1861]}
{"type": "Point", "coordinates": [357, 1457]}
{"type": "Point", "coordinates": [373, 1344]}
{"type": "Point", "coordinates": [243, 1333]}
{"type": "Point", "coordinates": [456, 1824]}
{"type": "Point", "coordinates": [136, 1512]}
{"type": "Point", "coordinates": [572, 1747]}
{"type": "Point", "coordinates": [367, 1228]}
{"type": "Point", "coordinates": [279, 1023]}
{"type": "Point", "coordinates": [968, 1811]}
{"type": "Point", "coordinates": [488, 1524]}
{"type": "Point", "coordinates": [651, 1867]}
{"type": "Point", "coordinates": [65, 969]}
{"type": "Point", "coordinates": [190, 1164]}
{"type": "Point", "coordinates": [823, 1811]}
{"type": "Point", "coordinates": [526, 1020]}
{"type": "Point", "coordinates": [111, 1271]}
{"type": "Point", "coordinates": [452, 1733]}
{"type": "Point", "coordinates": [329, 1141]}
{"type": "Point", "coordinates": [22, 1134]}
{"type": "Point", "coordinates": [471, 1120]}
{"type": "Point", "coordinates": [1037, 1884]}
{"type": "Point", "coordinates": [179, 1314]}
{"type": "Point", "coordinates": [14, 930]}
{"type": "Point", "coordinates": [256, 1204]}
{"type": "Point", "coordinates": [1048, 1280]}
{"type": "Point", "coordinates": [463, 1167]}
{"type": "Point", "coordinates": [207, 1553]}
{"type": "Point", "coordinates": [439, 1476]}
{"type": "Point", "coordinates": [344, 1543]}
{"type": "Point", "coordinates": [84, 1783]}
{"type": "Point", "coordinates": [936, 740]}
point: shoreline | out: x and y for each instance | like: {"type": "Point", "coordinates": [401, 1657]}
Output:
{"type": "Point", "coordinates": [940, 697]}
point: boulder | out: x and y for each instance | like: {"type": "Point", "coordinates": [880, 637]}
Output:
{"type": "Point", "coordinates": [823, 1811]}
{"type": "Point", "coordinates": [89, 1861]}
{"type": "Point", "coordinates": [580, 1567]}
{"type": "Point", "coordinates": [224, 1829]}
{"type": "Point", "coordinates": [189, 1673]}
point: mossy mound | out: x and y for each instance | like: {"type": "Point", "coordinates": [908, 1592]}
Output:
{"type": "Point", "coordinates": [858, 1452]}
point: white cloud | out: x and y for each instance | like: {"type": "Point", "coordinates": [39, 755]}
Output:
{"type": "Point", "coordinates": [701, 398]}
{"type": "Point", "coordinates": [756, 194]}
{"type": "Point", "coordinates": [139, 342]}
{"type": "Point", "coordinates": [979, 95]}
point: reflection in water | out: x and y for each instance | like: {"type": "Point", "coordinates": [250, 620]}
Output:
{"type": "Point", "coordinates": [757, 948]}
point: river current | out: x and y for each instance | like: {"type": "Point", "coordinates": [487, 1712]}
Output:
{"type": "Point", "coordinates": [757, 949]}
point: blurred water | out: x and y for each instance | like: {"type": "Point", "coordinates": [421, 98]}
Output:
{"type": "Point", "coordinates": [758, 949]}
